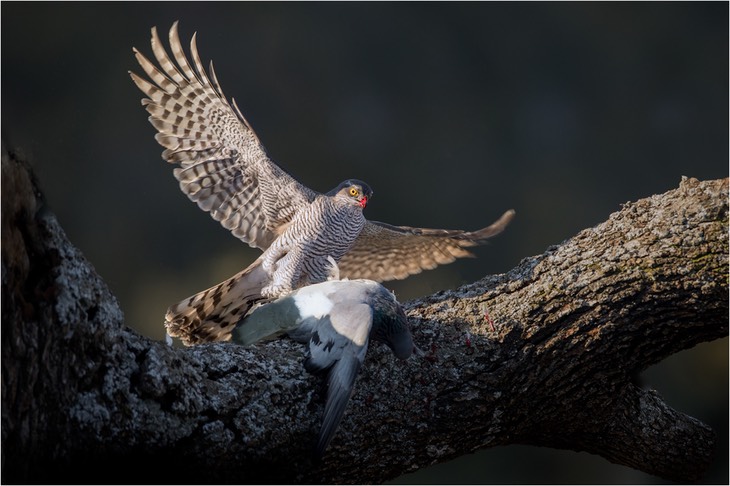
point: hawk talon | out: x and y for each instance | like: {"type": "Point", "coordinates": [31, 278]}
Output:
{"type": "Point", "coordinates": [334, 270]}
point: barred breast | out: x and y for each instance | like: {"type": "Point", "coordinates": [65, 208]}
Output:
{"type": "Point", "coordinates": [332, 234]}
{"type": "Point", "coordinates": [327, 228]}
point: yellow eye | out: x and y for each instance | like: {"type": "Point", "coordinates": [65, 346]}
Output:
{"type": "Point", "coordinates": [353, 192]}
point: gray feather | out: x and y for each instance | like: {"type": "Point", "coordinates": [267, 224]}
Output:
{"type": "Point", "coordinates": [339, 389]}
{"type": "Point", "coordinates": [390, 324]}
{"type": "Point", "coordinates": [343, 333]}
{"type": "Point", "coordinates": [338, 342]}
{"type": "Point", "coordinates": [336, 320]}
{"type": "Point", "coordinates": [266, 322]}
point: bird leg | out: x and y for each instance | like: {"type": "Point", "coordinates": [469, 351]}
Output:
{"type": "Point", "coordinates": [272, 257]}
{"type": "Point", "coordinates": [286, 273]}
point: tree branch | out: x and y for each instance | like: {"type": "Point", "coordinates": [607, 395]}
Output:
{"type": "Point", "coordinates": [573, 326]}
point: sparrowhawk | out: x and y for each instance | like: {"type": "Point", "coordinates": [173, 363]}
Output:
{"type": "Point", "coordinates": [224, 168]}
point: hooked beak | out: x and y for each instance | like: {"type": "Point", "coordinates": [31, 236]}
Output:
{"type": "Point", "coordinates": [363, 202]}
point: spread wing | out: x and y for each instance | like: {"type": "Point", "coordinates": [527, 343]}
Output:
{"type": "Point", "coordinates": [222, 165]}
{"type": "Point", "coordinates": [384, 252]}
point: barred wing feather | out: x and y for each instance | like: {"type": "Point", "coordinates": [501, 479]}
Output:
{"type": "Point", "coordinates": [222, 165]}
{"type": "Point", "coordinates": [385, 252]}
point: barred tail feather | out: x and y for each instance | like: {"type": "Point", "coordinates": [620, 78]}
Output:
{"type": "Point", "coordinates": [212, 314]}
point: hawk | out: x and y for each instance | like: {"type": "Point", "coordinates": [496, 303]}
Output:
{"type": "Point", "coordinates": [223, 167]}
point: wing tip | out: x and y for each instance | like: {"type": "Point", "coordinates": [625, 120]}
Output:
{"type": "Point", "coordinates": [479, 236]}
{"type": "Point", "coordinates": [508, 215]}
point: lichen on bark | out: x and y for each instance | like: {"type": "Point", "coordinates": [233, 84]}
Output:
{"type": "Point", "coordinates": [572, 327]}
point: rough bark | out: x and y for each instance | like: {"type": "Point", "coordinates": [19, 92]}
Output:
{"type": "Point", "coordinates": [573, 326]}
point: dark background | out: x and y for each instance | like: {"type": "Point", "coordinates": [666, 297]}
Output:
{"type": "Point", "coordinates": [452, 112]}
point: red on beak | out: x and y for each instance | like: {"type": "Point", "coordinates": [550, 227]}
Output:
{"type": "Point", "coordinates": [364, 202]}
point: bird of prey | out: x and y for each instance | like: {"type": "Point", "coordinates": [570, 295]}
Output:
{"type": "Point", "coordinates": [336, 319]}
{"type": "Point", "coordinates": [223, 167]}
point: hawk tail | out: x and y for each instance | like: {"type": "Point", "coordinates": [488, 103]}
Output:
{"type": "Point", "coordinates": [212, 314]}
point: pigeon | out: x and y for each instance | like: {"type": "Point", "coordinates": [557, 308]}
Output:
{"type": "Point", "coordinates": [336, 319]}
